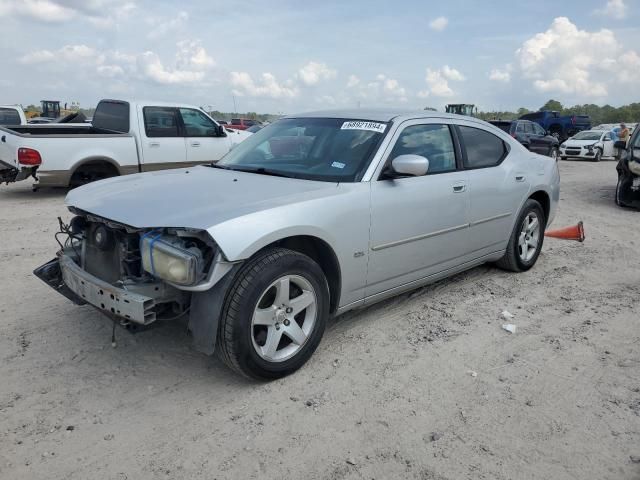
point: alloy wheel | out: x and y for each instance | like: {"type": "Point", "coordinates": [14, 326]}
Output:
{"type": "Point", "coordinates": [529, 237]}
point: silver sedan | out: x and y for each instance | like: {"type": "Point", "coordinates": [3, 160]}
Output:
{"type": "Point", "coordinates": [311, 216]}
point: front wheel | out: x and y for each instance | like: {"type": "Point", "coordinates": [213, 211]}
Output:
{"type": "Point", "coordinates": [274, 316]}
{"type": "Point", "coordinates": [526, 239]}
{"type": "Point", "coordinates": [598, 156]}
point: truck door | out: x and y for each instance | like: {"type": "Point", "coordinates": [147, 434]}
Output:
{"type": "Point", "coordinates": [162, 140]}
{"type": "Point", "coordinates": [201, 138]}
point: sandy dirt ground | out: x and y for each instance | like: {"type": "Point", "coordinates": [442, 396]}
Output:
{"type": "Point", "coordinates": [426, 385]}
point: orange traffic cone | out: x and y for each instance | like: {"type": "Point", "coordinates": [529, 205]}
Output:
{"type": "Point", "coordinates": [568, 233]}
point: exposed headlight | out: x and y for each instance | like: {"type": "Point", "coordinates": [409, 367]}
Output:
{"type": "Point", "coordinates": [164, 257]}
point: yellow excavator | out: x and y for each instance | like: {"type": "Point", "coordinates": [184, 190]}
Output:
{"type": "Point", "coordinates": [50, 109]}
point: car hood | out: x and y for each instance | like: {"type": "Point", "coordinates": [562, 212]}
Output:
{"type": "Point", "coordinates": [580, 143]}
{"type": "Point", "coordinates": [198, 198]}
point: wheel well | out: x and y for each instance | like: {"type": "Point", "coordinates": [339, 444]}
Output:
{"type": "Point", "coordinates": [323, 255]}
{"type": "Point", "coordinates": [100, 163]}
{"type": "Point", "coordinates": [543, 199]}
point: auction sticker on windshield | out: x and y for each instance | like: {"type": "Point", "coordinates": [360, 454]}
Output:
{"type": "Point", "coordinates": [361, 125]}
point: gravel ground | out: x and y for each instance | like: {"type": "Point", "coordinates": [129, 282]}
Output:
{"type": "Point", "coordinates": [426, 385]}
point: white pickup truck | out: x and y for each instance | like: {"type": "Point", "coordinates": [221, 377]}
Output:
{"type": "Point", "coordinates": [124, 137]}
{"type": "Point", "coordinates": [12, 115]}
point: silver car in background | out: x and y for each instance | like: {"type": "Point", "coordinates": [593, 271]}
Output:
{"type": "Point", "coordinates": [312, 216]}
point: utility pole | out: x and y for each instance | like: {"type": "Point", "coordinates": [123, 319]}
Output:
{"type": "Point", "coordinates": [235, 108]}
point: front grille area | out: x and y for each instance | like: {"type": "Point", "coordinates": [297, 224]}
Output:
{"type": "Point", "coordinates": [110, 254]}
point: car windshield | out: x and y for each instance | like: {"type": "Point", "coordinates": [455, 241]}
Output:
{"type": "Point", "coordinates": [587, 136]}
{"type": "Point", "coordinates": [326, 149]}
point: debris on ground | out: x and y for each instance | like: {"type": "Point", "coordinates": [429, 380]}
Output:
{"type": "Point", "coordinates": [509, 327]}
{"type": "Point", "coordinates": [506, 315]}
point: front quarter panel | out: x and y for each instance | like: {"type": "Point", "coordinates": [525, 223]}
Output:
{"type": "Point", "coordinates": [341, 220]}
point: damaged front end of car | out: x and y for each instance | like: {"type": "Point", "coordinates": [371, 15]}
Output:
{"type": "Point", "coordinates": [140, 277]}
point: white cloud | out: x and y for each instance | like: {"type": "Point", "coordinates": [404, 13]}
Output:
{"type": "Point", "coordinates": [160, 28]}
{"type": "Point", "coordinates": [352, 81]}
{"type": "Point", "coordinates": [438, 82]}
{"type": "Point", "coordinates": [566, 60]}
{"type": "Point", "coordinates": [614, 9]}
{"type": "Point", "coordinates": [439, 24]}
{"type": "Point", "coordinates": [267, 86]}
{"type": "Point", "coordinates": [192, 63]}
{"type": "Point", "coordinates": [313, 72]}
{"type": "Point", "coordinates": [100, 13]}
{"type": "Point", "coordinates": [501, 75]}
{"type": "Point", "coordinates": [69, 54]}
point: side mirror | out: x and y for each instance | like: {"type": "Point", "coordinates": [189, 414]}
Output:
{"type": "Point", "coordinates": [409, 166]}
{"type": "Point", "coordinates": [620, 144]}
{"type": "Point", "coordinates": [218, 131]}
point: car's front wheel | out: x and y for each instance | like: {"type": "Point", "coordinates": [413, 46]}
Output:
{"type": "Point", "coordinates": [274, 315]}
{"type": "Point", "coordinates": [526, 239]}
{"type": "Point", "coordinates": [598, 155]}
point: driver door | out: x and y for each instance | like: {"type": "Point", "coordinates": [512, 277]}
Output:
{"type": "Point", "coordinates": [419, 225]}
{"type": "Point", "coordinates": [201, 141]}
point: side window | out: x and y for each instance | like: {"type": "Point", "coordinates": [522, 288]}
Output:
{"type": "Point", "coordinates": [528, 128]}
{"type": "Point", "coordinates": [433, 142]}
{"type": "Point", "coordinates": [538, 130]}
{"type": "Point", "coordinates": [161, 122]}
{"type": "Point", "coordinates": [483, 149]}
{"type": "Point", "coordinates": [196, 123]}
{"type": "Point", "coordinates": [521, 127]}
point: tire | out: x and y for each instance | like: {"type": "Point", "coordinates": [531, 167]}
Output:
{"type": "Point", "coordinates": [92, 172]}
{"type": "Point", "coordinates": [563, 158]}
{"type": "Point", "coordinates": [598, 156]}
{"type": "Point", "coordinates": [256, 337]}
{"type": "Point", "coordinates": [514, 259]}
{"type": "Point", "coordinates": [554, 153]}
{"type": "Point", "coordinates": [617, 198]}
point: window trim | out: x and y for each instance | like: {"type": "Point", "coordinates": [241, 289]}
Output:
{"type": "Point", "coordinates": [396, 137]}
{"type": "Point", "coordinates": [177, 116]}
{"type": "Point", "coordinates": [506, 146]}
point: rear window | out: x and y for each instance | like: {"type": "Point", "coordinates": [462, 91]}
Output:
{"type": "Point", "coordinates": [483, 149]}
{"type": "Point", "coordinates": [236, 121]}
{"type": "Point", "coordinates": [112, 115]}
{"type": "Point", "coordinates": [9, 116]}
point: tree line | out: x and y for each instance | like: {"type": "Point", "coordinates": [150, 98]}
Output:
{"type": "Point", "coordinates": [599, 114]}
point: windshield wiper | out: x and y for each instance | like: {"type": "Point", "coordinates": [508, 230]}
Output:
{"type": "Point", "coordinates": [215, 165]}
{"type": "Point", "coordinates": [264, 171]}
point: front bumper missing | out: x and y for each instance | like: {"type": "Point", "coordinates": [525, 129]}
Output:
{"type": "Point", "coordinates": [67, 278]}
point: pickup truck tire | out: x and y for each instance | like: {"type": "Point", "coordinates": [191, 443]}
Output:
{"type": "Point", "coordinates": [526, 239]}
{"type": "Point", "coordinates": [274, 315]}
{"type": "Point", "coordinates": [91, 172]}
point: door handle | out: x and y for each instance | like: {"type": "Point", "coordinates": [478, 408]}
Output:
{"type": "Point", "coordinates": [459, 188]}
{"type": "Point", "coordinates": [154, 144]}
{"type": "Point", "coordinates": [195, 144]}
{"type": "Point", "coordinates": [520, 178]}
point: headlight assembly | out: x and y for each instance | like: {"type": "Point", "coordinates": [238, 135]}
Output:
{"type": "Point", "coordinates": [166, 257]}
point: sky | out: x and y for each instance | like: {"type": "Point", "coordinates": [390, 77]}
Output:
{"type": "Point", "coordinates": [282, 56]}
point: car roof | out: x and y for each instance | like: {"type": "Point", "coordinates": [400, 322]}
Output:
{"type": "Point", "coordinates": [151, 103]}
{"type": "Point", "coordinates": [381, 114]}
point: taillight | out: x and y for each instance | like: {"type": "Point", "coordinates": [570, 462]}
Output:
{"type": "Point", "coordinates": [513, 134]}
{"type": "Point", "coordinates": [29, 156]}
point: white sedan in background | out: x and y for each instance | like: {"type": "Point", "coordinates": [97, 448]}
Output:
{"type": "Point", "coordinates": [589, 145]}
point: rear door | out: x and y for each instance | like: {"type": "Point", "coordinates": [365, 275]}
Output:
{"type": "Point", "coordinates": [498, 182]}
{"type": "Point", "coordinates": [202, 142]}
{"type": "Point", "coordinates": [163, 144]}
{"type": "Point", "coordinates": [539, 140]}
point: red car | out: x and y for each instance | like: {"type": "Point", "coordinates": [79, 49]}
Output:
{"type": "Point", "coordinates": [242, 123]}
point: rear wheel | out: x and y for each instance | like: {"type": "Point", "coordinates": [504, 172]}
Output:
{"type": "Point", "coordinates": [92, 172]}
{"type": "Point", "coordinates": [526, 239]}
{"type": "Point", "coordinates": [274, 316]}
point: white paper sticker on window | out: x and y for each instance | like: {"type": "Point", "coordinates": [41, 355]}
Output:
{"type": "Point", "coordinates": [337, 165]}
{"type": "Point", "coordinates": [362, 125]}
